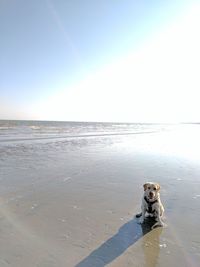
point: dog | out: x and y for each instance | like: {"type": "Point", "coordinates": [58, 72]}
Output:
{"type": "Point", "coordinates": [151, 204]}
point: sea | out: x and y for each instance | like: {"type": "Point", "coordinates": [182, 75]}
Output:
{"type": "Point", "coordinates": [22, 130]}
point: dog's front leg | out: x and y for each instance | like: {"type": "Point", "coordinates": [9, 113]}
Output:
{"type": "Point", "coordinates": [142, 215]}
{"type": "Point", "coordinates": [159, 220]}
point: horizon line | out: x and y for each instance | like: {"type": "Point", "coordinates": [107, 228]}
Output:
{"type": "Point", "coordinates": [120, 122]}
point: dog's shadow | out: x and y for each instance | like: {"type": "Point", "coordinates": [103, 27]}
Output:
{"type": "Point", "coordinates": [112, 248]}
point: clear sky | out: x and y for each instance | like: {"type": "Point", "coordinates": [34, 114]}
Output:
{"type": "Point", "coordinates": [100, 60]}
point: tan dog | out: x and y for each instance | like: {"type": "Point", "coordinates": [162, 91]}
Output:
{"type": "Point", "coordinates": [151, 204]}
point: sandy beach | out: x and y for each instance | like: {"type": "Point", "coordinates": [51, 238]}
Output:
{"type": "Point", "coordinates": [72, 202]}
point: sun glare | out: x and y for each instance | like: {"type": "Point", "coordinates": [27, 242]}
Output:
{"type": "Point", "coordinates": [157, 83]}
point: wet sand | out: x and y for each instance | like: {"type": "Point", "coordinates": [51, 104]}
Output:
{"type": "Point", "coordinates": [67, 203]}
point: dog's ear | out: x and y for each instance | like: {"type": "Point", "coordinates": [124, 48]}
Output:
{"type": "Point", "coordinates": [158, 187]}
{"type": "Point", "coordinates": [145, 186]}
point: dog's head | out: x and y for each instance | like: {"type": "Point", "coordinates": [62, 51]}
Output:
{"type": "Point", "coordinates": [151, 190]}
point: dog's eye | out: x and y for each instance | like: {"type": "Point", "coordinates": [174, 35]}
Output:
{"type": "Point", "coordinates": [154, 188]}
{"type": "Point", "coordinates": [149, 187]}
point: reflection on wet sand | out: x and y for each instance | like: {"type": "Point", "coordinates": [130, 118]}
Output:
{"type": "Point", "coordinates": [127, 236]}
{"type": "Point", "coordinates": [151, 243]}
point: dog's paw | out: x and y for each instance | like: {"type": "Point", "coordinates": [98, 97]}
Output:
{"type": "Point", "coordinates": [158, 224]}
{"type": "Point", "coordinates": [138, 215]}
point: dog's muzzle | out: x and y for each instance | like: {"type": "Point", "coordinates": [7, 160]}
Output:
{"type": "Point", "coordinates": [151, 194]}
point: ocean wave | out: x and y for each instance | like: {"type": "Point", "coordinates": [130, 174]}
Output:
{"type": "Point", "coordinates": [10, 139]}
{"type": "Point", "coordinates": [35, 127]}
{"type": "Point", "coordinates": [38, 130]}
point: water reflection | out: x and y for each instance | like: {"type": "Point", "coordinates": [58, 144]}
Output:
{"type": "Point", "coordinates": [151, 243]}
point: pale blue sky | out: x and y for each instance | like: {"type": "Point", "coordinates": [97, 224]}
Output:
{"type": "Point", "coordinates": [49, 48]}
